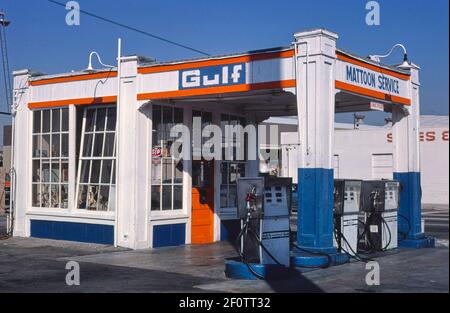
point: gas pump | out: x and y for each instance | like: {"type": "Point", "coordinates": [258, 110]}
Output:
{"type": "Point", "coordinates": [380, 203]}
{"type": "Point", "coordinates": [263, 208]}
{"type": "Point", "coordinates": [347, 205]}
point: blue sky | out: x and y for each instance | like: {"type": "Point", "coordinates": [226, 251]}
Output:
{"type": "Point", "coordinates": [39, 39]}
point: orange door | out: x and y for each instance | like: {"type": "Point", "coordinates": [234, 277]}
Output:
{"type": "Point", "coordinates": [202, 230]}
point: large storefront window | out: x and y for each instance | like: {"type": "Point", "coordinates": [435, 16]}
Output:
{"type": "Point", "coordinates": [96, 189]}
{"type": "Point", "coordinates": [231, 167]}
{"type": "Point", "coordinates": [50, 158]}
{"type": "Point", "coordinates": [167, 171]}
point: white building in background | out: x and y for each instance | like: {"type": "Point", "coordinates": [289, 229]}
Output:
{"type": "Point", "coordinates": [367, 153]}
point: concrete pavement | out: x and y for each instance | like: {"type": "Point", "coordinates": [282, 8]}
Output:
{"type": "Point", "coordinates": [38, 265]}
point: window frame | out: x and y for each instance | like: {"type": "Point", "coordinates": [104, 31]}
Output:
{"type": "Point", "coordinates": [80, 158]}
{"type": "Point", "coordinates": [240, 120]}
{"type": "Point", "coordinates": [162, 143]}
{"type": "Point", "coordinates": [50, 159]}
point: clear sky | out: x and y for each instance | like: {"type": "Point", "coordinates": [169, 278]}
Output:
{"type": "Point", "coordinates": [38, 37]}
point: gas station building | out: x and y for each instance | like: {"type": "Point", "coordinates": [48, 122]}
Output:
{"type": "Point", "coordinates": [92, 149]}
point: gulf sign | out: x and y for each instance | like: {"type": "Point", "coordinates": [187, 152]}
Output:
{"type": "Point", "coordinates": [370, 80]}
{"type": "Point", "coordinates": [212, 76]}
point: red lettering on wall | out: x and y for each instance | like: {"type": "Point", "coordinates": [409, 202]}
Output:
{"type": "Point", "coordinates": [430, 136]}
{"type": "Point", "coordinates": [445, 135]}
{"type": "Point", "coordinates": [421, 136]}
{"type": "Point", "coordinates": [389, 137]}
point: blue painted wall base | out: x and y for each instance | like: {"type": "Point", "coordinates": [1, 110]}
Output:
{"type": "Point", "coordinates": [239, 270]}
{"type": "Point", "coordinates": [426, 242]}
{"type": "Point", "coordinates": [169, 235]}
{"type": "Point", "coordinates": [80, 232]}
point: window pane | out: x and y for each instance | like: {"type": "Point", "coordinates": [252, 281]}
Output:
{"type": "Point", "coordinates": [46, 121]}
{"type": "Point", "coordinates": [109, 145]}
{"type": "Point", "coordinates": [167, 171]}
{"type": "Point", "coordinates": [112, 198]}
{"type": "Point", "coordinates": [56, 120]}
{"type": "Point", "coordinates": [82, 197]}
{"type": "Point", "coordinates": [167, 125]}
{"type": "Point", "coordinates": [177, 197]}
{"type": "Point", "coordinates": [65, 120]}
{"type": "Point", "coordinates": [36, 171]}
{"type": "Point", "coordinates": [178, 116]}
{"type": "Point", "coordinates": [156, 119]}
{"type": "Point", "coordinates": [92, 198]}
{"type": "Point", "coordinates": [64, 196]}
{"type": "Point", "coordinates": [54, 177]}
{"type": "Point", "coordinates": [233, 173]}
{"type": "Point", "coordinates": [101, 118]}
{"type": "Point", "coordinates": [37, 121]}
{"type": "Point", "coordinates": [178, 172]}
{"type": "Point", "coordinates": [98, 145]}
{"type": "Point", "coordinates": [45, 196]}
{"type": "Point", "coordinates": [64, 172]}
{"type": "Point", "coordinates": [111, 125]}
{"type": "Point", "coordinates": [224, 172]}
{"type": "Point", "coordinates": [87, 145]}
{"type": "Point", "coordinates": [103, 197]}
{"type": "Point", "coordinates": [64, 145]}
{"type": "Point", "coordinates": [36, 146]}
{"type": "Point", "coordinates": [55, 146]}
{"type": "Point", "coordinates": [84, 175]}
{"type": "Point", "coordinates": [113, 180]}
{"type": "Point", "coordinates": [241, 170]}
{"type": "Point", "coordinates": [45, 146]}
{"type": "Point", "coordinates": [46, 171]}
{"type": "Point", "coordinates": [166, 146]}
{"type": "Point", "coordinates": [54, 196]}
{"type": "Point", "coordinates": [106, 171]}
{"type": "Point", "coordinates": [223, 196]}
{"type": "Point", "coordinates": [90, 120]}
{"type": "Point", "coordinates": [36, 195]}
{"type": "Point", "coordinates": [156, 198]}
{"type": "Point", "coordinates": [167, 117]}
{"type": "Point", "coordinates": [232, 197]}
{"type": "Point", "coordinates": [156, 171]}
{"type": "Point", "coordinates": [166, 198]}
{"type": "Point", "coordinates": [95, 172]}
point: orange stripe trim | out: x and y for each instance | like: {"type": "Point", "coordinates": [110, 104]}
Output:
{"type": "Point", "coordinates": [372, 93]}
{"type": "Point", "coordinates": [371, 67]}
{"type": "Point", "coordinates": [216, 90]}
{"type": "Point", "coordinates": [57, 80]}
{"type": "Point", "coordinates": [80, 101]}
{"type": "Point", "coordinates": [199, 64]}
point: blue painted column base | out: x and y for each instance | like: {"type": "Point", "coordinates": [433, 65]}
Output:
{"type": "Point", "coordinates": [315, 260]}
{"type": "Point", "coordinates": [425, 242]}
{"type": "Point", "coordinates": [410, 212]}
{"type": "Point", "coordinates": [240, 270]}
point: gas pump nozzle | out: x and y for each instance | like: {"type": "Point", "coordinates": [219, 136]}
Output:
{"type": "Point", "coordinates": [250, 200]}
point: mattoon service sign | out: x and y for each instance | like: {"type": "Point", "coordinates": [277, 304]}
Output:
{"type": "Point", "coordinates": [380, 84]}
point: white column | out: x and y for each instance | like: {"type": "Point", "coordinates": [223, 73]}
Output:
{"type": "Point", "coordinates": [406, 123]}
{"type": "Point", "coordinates": [315, 79]}
{"type": "Point", "coordinates": [132, 220]}
{"type": "Point", "coordinates": [21, 163]}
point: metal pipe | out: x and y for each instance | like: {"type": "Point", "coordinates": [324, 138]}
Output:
{"type": "Point", "coordinates": [116, 213]}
